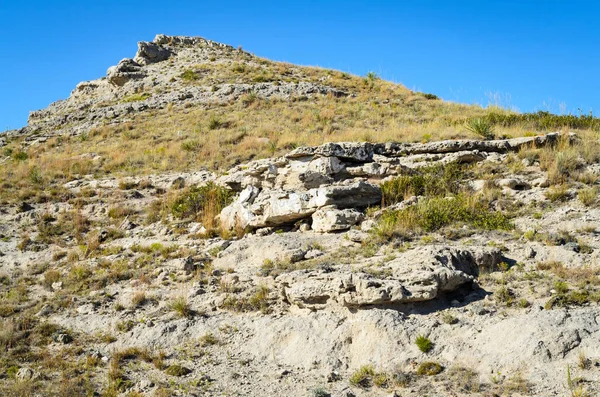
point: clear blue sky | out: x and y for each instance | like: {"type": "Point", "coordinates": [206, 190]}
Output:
{"type": "Point", "coordinates": [530, 55]}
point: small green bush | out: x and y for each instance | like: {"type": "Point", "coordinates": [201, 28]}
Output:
{"type": "Point", "coordinates": [214, 123]}
{"type": "Point", "coordinates": [320, 392]}
{"type": "Point", "coordinates": [434, 213]}
{"type": "Point", "coordinates": [432, 181]}
{"type": "Point", "coordinates": [429, 368]}
{"type": "Point", "coordinates": [557, 193]}
{"type": "Point", "coordinates": [481, 126]}
{"type": "Point", "coordinates": [19, 155]}
{"type": "Point", "coordinates": [192, 145]}
{"type": "Point", "coordinates": [197, 200]}
{"type": "Point", "coordinates": [363, 377]}
{"type": "Point", "coordinates": [189, 75]}
{"type": "Point", "coordinates": [423, 343]}
{"type": "Point", "coordinates": [429, 96]}
{"type": "Point", "coordinates": [181, 307]}
{"type": "Point", "coordinates": [137, 97]}
{"type": "Point", "coordinates": [258, 301]}
{"type": "Point", "coordinates": [177, 370]}
{"type": "Point", "coordinates": [588, 196]}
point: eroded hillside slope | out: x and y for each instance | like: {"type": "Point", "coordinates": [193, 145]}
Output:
{"type": "Point", "coordinates": [205, 222]}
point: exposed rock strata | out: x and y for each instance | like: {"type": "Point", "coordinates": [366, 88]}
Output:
{"type": "Point", "coordinates": [345, 175]}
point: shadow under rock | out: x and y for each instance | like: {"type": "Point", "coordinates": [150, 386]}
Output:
{"type": "Point", "coordinates": [461, 297]}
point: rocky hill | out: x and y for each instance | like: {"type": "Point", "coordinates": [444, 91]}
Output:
{"type": "Point", "coordinates": [201, 221]}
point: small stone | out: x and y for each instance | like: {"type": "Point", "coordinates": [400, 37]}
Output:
{"type": "Point", "coordinates": [368, 225]}
{"type": "Point", "coordinates": [44, 311]}
{"type": "Point", "coordinates": [25, 373]}
{"type": "Point", "coordinates": [263, 231]}
{"type": "Point", "coordinates": [63, 338]}
{"type": "Point", "coordinates": [195, 227]}
{"type": "Point", "coordinates": [102, 236]}
{"type": "Point", "coordinates": [357, 236]}
{"type": "Point", "coordinates": [127, 225]}
{"type": "Point", "coordinates": [190, 265]}
{"type": "Point", "coordinates": [296, 255]}
{"type": "Point", "coordinates": [331, 219]}
{"type": "Point", "coordinates": [178, 183]}
{"type": "Point", "coordinates": [24, 207]}
{"type": "Point", "coordinates": [144, 384]}
{"type": "Point", "coordinates": [479, 310]}
{"type": "Point", "coordinates": [311, 254]}
{"type": "Point", "coordinates": [285, 372]}
{"type": "Point", "coordinates": [572, 246]}
{"type": "Point", "coordinates": [57, 286]}
{"type": "Point", "coordinates": [333, 376]}
{"type": "Point", "coordinates": [305, 227]}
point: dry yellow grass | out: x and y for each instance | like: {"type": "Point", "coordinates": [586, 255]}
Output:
{"type": "Point", "coordinates": [218, 136]}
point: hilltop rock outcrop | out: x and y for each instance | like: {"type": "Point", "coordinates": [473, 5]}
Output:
{"type": "Point", "coordinates": [147, 82]}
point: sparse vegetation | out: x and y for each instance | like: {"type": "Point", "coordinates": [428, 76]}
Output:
{"type": "Point", "coordinates": [137, 97]}
{"type": "Point", "coordinates": [258, 301]}
{"type": "Point", "coordinates": [202, 203]}
{"type": "Point", "coordinates": [431, 214]}
{"type": "Point", "coordinates": [481, 126]}
{"type": "Point", "coordinates": [177, 370]}
{"type": "Point", "coordinates": [181, 306]}
{"type": "Point", "coordinates": [429, 368]}
{"type": "Point", "coordinates": [588, 196]}
{"type": "Point", "coordinates": [423, 343]}
{"type": "Point", "coordinates": [363, 377]}
{"type": "Point", "coordinates": [83, 237]}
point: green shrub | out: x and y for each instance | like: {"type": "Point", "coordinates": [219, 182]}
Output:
{"type": "Point", "coordinates": [181, 306]}
{"type": "Point", "coordinates": [434, 213]}
{"type": "Point", "coordinates": [189, 75]}
{"type": "Point", "coordinates": [543, 120]}
{"type": "Point", "coordinates": [372, 76]}
{"type": "Point", "coordinates": [429, 368]}
{"type": "Point", "coordinates": [429, 96]}
{"type": "Point", "coordinates": [19, 155]}
{"type": "Point", "coordinates": [423, 343]}
{"type": "Point", "coordinates": [136, 97]}
{"type": "Point", "coordinates": [588, 196]}
{"type": "Point", "coordinates": [208, 340]}
{"type": "Point", "coordinates": [258, 301]}
{"type": "Point", "coordinates": [431, 181]}
{"type": "Point", "coordinates": [481, 126]}
{"type": "Point", "coordinates": [363, 377]}
{"type": "Point", "coordinates": [201, 202]}
{"type": "Point", "coordinates": [214, 123]}
{"type": "Point", "coordinates": [239, 68]}
{"type": "Point", "coordinates": [192, 145]}
{"type": "Point", "coordinates": [320, 392]}
{"type": "Point", "coordinates": [464, 379]}
{"type": "Point", "coordinates": [177, 370]}
{"type": "Point", "coordinates": [35, 175]}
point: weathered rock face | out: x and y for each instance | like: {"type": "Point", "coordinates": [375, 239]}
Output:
{"type": "Point", "coordinates": [126, 70]}
{"type": "Point", "coordinates": [257, 208]}
{"type": "Point", "coordinates": [342, 176]}
{"type": "Point", "coordinates": [150, 53]}
{"type": "Point", "coordinates": [330, 219]}
{"type": "Point", "coordinates": [417, 276]}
